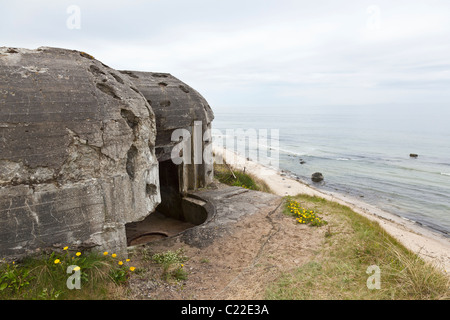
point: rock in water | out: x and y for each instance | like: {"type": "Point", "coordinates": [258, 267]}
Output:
{"type": "Point", "coordinates": [317, 177]}
{"type": "Point", "coordinates": [413, 155]}
{"type": "Point", "coordinates": [77, 152]}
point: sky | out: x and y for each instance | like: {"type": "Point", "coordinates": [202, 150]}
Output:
{"type": "Point", "coordinates": [261, 54]}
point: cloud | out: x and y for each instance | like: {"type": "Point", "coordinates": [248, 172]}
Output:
{"type": "Point", "coordinates": [257, 53]}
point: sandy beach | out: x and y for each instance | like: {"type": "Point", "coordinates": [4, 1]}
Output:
{"type": "Point", "coordinates": [431, 246]}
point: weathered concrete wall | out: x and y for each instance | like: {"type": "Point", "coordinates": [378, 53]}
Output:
{"type": "Point", "coordinates": [77, 158]}
{"type": "Point", "coordinates": [179, 106]}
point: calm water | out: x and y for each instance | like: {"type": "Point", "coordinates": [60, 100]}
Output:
{"type": "Point", "coordinates": [364, 152]}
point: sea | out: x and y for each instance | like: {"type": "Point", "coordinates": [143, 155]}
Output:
{"type": "Point", "coordinates": [363, 152]}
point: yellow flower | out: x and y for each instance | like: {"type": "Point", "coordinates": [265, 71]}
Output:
{"type": "Point", "coordinates": [132, 268]}
{"type": "Point", "coordinates": [120, 263]}
{"type": "Point", "coordinates": [76, 268]}
{"type": "Point", "coordinates": [114, 255]}
{"type": "Point", "coordinates": [128, 260]}
{"type": "Point", "coordinates": [65, 248]}
{"type": "Point", "coordinates": [78, 254]}
{"type": "Point", "coordinates": [105, 253]}
{"type": "Point", "coordinates": [57, 261]}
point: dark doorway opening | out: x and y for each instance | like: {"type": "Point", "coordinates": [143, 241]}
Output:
{"type": "Point", "coordinates": [173, 215]}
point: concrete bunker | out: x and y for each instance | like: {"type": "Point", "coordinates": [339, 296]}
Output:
{"type": "Point", "coordinates": [176, 106]}
{"type": "Point", "coordinates": [82, 149]}
{"type": "Point", "coordinates": [77, 157]}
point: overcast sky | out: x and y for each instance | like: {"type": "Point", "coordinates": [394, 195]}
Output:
{"type": "Point", "coordinates": [257, 54]}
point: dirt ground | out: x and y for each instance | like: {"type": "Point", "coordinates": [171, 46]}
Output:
{"type": "Point", "coordinates": [237, 265]}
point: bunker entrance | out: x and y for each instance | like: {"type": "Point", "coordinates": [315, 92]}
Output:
{"type": "Point", "coordinates": [173, 215]}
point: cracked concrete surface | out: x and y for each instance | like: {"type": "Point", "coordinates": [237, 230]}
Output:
{"type": "Point", "coordinates": [67, 125]}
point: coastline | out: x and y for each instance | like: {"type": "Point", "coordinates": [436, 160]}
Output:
{"type": "Point", "coordinates": [429, 245]}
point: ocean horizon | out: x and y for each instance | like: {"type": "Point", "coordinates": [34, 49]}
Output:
{"type": "Point", "coordinates": [362, 151]}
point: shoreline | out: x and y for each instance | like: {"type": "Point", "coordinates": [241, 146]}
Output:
{"type": "Point", "coordinates": [429, 245]}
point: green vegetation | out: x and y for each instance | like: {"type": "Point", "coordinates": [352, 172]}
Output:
{"type": "Point", "coordinates": [303, 215]}
{"type": "Point", "coordinates": [232, 177]}
{"type": "Point", "coordinates": [172, 264]}
{"type": "Point", "coordinates": [102, 275]}
{"type": "Point", "coordinates": [51, 276]}
{"type": "Point", "coordinates": [351, 244]}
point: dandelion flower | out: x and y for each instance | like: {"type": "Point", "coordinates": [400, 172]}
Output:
{"type": "Point", "coordinates": [128, 260]}
{"type": "Point", "coordinates": [105, 253]}
{"type": "Point", "coordinates": [76, 268]}
{"type": "Point", "coordinates": [120, 263]}
{"type": "Point", "coordinates": [57, 261]}
{"type": "Point", "coordinates": [78, 254]}
{"type": "Point", "coordinates": [65, 248]}
{"type": "Point", "coordinates": [132, 268]}
{"type": "Point", "coordinates": [114, 255]}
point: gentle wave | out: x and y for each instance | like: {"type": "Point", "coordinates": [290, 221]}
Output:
{"type": "Point", "coordinates": [349, 159]}
{"type": "Point", "coordinates": [445, 174]}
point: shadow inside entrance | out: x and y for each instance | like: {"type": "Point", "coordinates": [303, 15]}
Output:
{"type": "Point", "coordinates": [156, 226]}
{"type": "Point", "coordinates": [176, 212]}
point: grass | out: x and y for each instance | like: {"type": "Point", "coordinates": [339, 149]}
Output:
{"type": "Point", "coordinates": [101, 276]}
{"type": "Point", "coordinates": [232, 177]}
{"type": "Point", "coordinates": [172, 264]}
{"type": "Point", "coordinates": [303, 215]}
{"type": "Point", "coordinates": [351, 245]}
{"type": "Point", "coordinates": [50, 277]}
